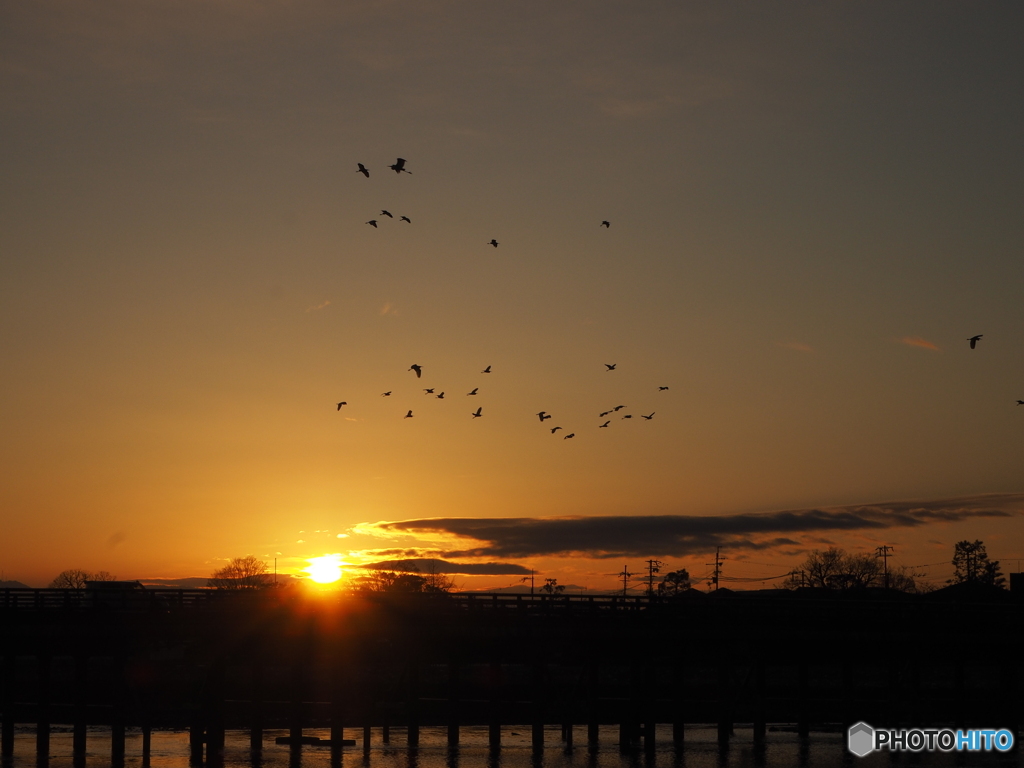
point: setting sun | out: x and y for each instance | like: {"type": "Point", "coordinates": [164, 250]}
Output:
{"type": "Point", "coordinates": [324, 570]}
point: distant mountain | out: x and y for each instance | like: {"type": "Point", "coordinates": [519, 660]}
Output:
{"type": "Point", "coordinates": [12, 585]}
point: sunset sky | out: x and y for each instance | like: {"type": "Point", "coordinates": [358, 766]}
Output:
{"type": "Point", "coordinates": [812, 207]}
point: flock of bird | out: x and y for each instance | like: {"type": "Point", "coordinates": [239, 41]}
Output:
{"type": "Point", "coordinates": [399, 168]}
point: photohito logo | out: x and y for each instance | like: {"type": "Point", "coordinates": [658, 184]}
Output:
{"type": "Point", "coordinates": [862, 739]}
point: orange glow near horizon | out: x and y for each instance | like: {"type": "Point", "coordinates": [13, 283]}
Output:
{"type": "Point", "coordinates": [325, 569]}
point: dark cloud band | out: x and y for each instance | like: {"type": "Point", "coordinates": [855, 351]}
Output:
{"type": "Point", "coordinates": [425, 565]}
{"type": "Point", "coordinates": [681, 535]}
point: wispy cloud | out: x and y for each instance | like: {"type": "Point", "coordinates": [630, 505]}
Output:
{"type": "Point", "coordinates": [917, 341]}
{"type": "Point", "coordinates": [319, 306]}
{"type": "Point", "coordinates": [799, 346]}
{"type": "Point", "coordinates": [682, 535]}
{"type": "Point", "coordinates": [388, 309]}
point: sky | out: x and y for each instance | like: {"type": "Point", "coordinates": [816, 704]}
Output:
{"type": "Point", "coordinates": [812, 207]}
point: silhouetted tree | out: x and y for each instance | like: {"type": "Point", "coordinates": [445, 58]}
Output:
{"type": "Point", "coordinates": [247, 572]}
{"type": "Point", "coordinates": [675, 583]}
{"type": "Point", "coordinates": [835, 568]}
{"type": "Point", "coordinates": [75, 578]}
{"type": "Point", "coordinates": [971, 565]}
{"type": "Point", "coordinates": [552, 587]}
{"type": "Point", "coordinates": [437, 581]}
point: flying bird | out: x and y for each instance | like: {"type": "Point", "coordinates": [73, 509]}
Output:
{"type": "Point", "coordinates": [372, 223]}
{"type": "Point", "coordinates": [386, 394]}
{"type": "Point", "coordinates": [610, 367]}
{"type": "Point", "coordinates": [603, 414]}
{"type": "Point", "coordinates": [407, 220]}
{"type": "Point", "coordinates": [648, 417]}
{"type": "Point", "coordinates": [441, 396]}
{"type": "Point", "coordinates": [571, 434]}
{"type": "Point", "coordinates": [554, 429]}
{"type": "Point", "coordinates": [399, 166]}
{"type": "Point", "coordinates": [662, 389]}
{"type": "Point", "coordinates": [362, 170]}
{"type": "Point", "coordinates": [974, 339]}
{"type": "Point", "coordinates": [544, 415]}
{"type": "Point", "coordinates": [408, 415]}
{"type": "Point", "coordinates": [627, 416]}
{"type": "Point", "coordinates": [416, 368]}
{"type": "Point", "coordinates": [473, 392]}
{"type": "Point", "coordinates": [618, 407]}
{"type": "Point", "coordinates": [486, 370]}
{"type": "Point", "coordinates": [387, 213]}
{"type": "Point", "coordinates": [477, 414]}
{"type": "Point", "coordinates": [1020, 402]}
{"type": "Point", "coordinates": [493, 242]}
{"type": "Point", "coordinates": [341, 404]}
{"type": "Point", "coordinates": [429, 391]}
{"type": "Point", "coordinates": [606, 224]}
{"type": "Point", "coordinates": [604, 425]}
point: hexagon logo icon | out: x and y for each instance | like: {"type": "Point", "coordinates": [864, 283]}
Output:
{"type": "Point", "coordinates": [860, 739]}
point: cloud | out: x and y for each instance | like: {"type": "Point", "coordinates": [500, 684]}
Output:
{"type": "Point", "coordinates": [917, 341]}
{"type": "Point", "coordinates": [388, 309]}
{"type": "Point", "coordinates": [423, 565]}
{"type": "Point", "coordinates": [684, 535]}
{"type": "Point", "coordinates": [319, 306]}
{"type": "Point", "coordinates": [797, 345]}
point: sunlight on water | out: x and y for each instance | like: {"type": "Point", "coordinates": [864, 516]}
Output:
{"type": "Point", "coordinates": [170, 749]}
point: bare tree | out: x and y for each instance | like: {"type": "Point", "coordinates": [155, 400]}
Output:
{"type": "Point", "coordinates": [75, 578]}
{"type": "Point", "coordinates": [247, 572]}
{"type": "Point", "coordinates": [835, 568]}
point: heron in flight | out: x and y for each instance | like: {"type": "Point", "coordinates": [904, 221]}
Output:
{"type": "Point", "coordinates": [486, 370]}
{"type": "Point", "coordinates": [416, 368]}
{"type": "Point", "coordinates": [606, 224]}
{"type": "Point", "coordinates": [618, 407]}
{"type": "Point", "coordinates": [399, 166]}
{"type": "Point", "coordinates": [554, 429]}
{"type": "Point", "coordinates": [408, 415]}
{"type": "Point", "coordinates": [477, 413]}
{"type": "Point", "coordinates": [603, 414]}
{"type": "Point", "coordinates": [544, 415]}
{"type": "Point", "coordinates": [372, 223]}
{"type": "Point", "coordinates": [974, 339]}
{"type": "Point", "coordinates": [493, 242]}
{"type": "Point", "coordinates": [662, 389]}
{"type": "Point", "coordinates": [441, 396]}
{"type": "Point", "coordinates": [603, 426]}
{"type": "Point", "coordinates": [1020, 402]}
{"type": "Point", "coordinates": [610, 367]}
{"type": "Point", "coordinates": [387, 213]}
{"type": "Point", "coordinates": [407, 220]}
{"type": "Point", "coordinates": [648, 417]}
{"type": "Point", "coordinates": [341, 404]}
{"type": "Point", "coordinates": [627, 416]}
{"type": "Point", "coordinates": [362, 170]}
{"type": "Point", "coordinates": [386, 394]}
{"type": "Point", "coordinates": [571, 434]}
{"type": "Point", "coordinates": [475, 389]}
{"type": "Point", "coordinates": [429, 391]}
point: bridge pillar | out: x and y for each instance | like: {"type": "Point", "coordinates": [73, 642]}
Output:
{"type": "Point", "coordinates": [257, 672]}
{"type": "Point", "coordinates": [7, 702]}
{"type": "Point", "coordinates": [760, 704]}
{"type": "Point", "coordinates": [494, 715]}
{"type": "Point", "coordinates": [538, 705]}
{"type": "Point", "coordinates": [593, 703]}
{"type": "Point", "coordinates": [677, 699]}
{"type": "Point", "coordinates": [453, 703]}
{"type": "Point", "coordinates": [80, 695]}
{"type": "Point", "coordinates": [412, 705]}
{"type": "Point", "coordinates": [117, 712]}
{"type": "Point", "coordinates": [42, 705]}
{"type": "Point", "coordinates": [803, 723]}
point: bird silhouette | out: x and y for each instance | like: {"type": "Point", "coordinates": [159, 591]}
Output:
{"type": "Point", "coordinates": [473, 392]}
{"type": "Point", "coordinates": [606, 224]}
{"type": "Point", "coordinates": [407, 220]}
{"type": "Point", "coordinates": [627, 416]}
{"type": "Point", "coordinates": [544, 415]}
{"type": "Point", "coordinates": [1020, 402]}
{"type": "Point", "coordinates": [362, 170]}
{"type": "Point", "coordinates": [416, 368]}
{"type": "Point", "coordinates": [341, 404]}
{"type": "Point", "coordinates": [571, 434]}
{"type": "Point", "coordinates": [387, 213]}
{"type": "Point", "coordinates": [554, 429]}
{"type": "Point", "coordinates": [610, 367]}
{"type": "Point", "coordinates": [477, 413]}
{"type": "Point", "coordinates": [386, 394]}
{"type": "Point", "coordinates": [648, 417]}
{"type": "Point", "coordinates": [372, 223]}
{"type": "Point", "coordinates": [618, 407]}
{"type": "Point", "coordinates": [408, 415]}
{"type": "Point", "coordinates": [974, 339]}
{"type": "Point", "coordinates": [493, 242]}
{"type": "Point", "coordinates": [603, 414]}
{"type": "Point", "coordinates": [429, 391]}
{"type": "Point", "coordinates": [399, 166]}
{"type": "Point", "coordinates": [441, 396]}
{"type": "Point", "coordinates": [486, 370]}
{"type": "Point", "coordinates": [662, 389]}
{"type": "Point", "coordinates": [604, 425]}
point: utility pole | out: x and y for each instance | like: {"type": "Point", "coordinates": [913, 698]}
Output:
{"type": "Point", "coordinates": [883, 552]}
{"type": "Point", "coordinates": [625, 579]}
{"type": "Point", "coordinates": [529, 579]}
{"type": "Point", "coordinates": [653, 567]}
{"type": "Point", "coordinates": [718, 567]}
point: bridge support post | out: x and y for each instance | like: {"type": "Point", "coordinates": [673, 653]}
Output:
{"type": "Point", "coordinates": [412, 706]}
{"type": "Point", "coordinates": [593, 703]}
{"type": "Point", "coordinates": [7, 702]}
{"type": "Point", "coordinates": [256, 676]}
{"type": "Point", "coordinates": [803, 724]}
{"type": "Point", "coordinates": [760, 704]}
{"type": "Point", "coordinates": [80, 695]}
{"type": "Point", "coordinates": [453, 703]}
{"type": "Point", "coordinates": [494, 716]}
{"type": "Point", "coordinates": [42, 706]}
